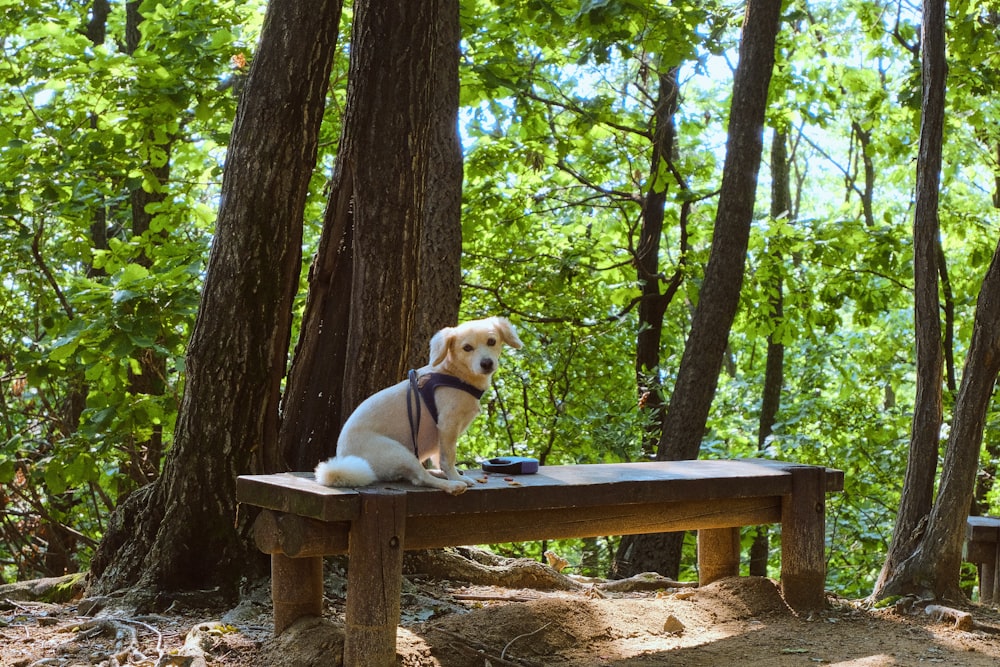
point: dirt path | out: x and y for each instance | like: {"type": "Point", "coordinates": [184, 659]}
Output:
{"type": "Point", "coordinates": [734, 622]}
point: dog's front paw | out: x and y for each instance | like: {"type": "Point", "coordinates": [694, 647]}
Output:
{"type": "Point", "coordinates": [459, 477]}
{"type": "Point", "coordinates": [456, 488]}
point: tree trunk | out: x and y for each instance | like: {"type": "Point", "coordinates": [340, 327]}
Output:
{"type": "Point", "coordinates": [691, 399]}
{"type": "Point", "coordinates": [698, 374]}
{"type": "Point", "coordinates": [933, 568]}
{"type": "Point", "coordinates": [630, 557]}
{"type": "Point", "coordinates": [386, 275]}
{"type": "Point", "coordinates": [774, 371]}
{"type": "Point", "coordinates": [921, 467]}
{"type": "Point", "coordinates": [647, 259]}
{"type": "Point", "coordinates": [178, 533]}
{"type": "Point", "coordinates": [984, 482]}
{"type": "Point", "coordinates": [948, 340]}
{"type": "Point", "coordinates": [864, 151]}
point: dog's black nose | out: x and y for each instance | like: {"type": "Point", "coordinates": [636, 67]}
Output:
{"type": "Point", "coordinates": [486, 364]}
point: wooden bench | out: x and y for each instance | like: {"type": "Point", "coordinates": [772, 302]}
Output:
{"type": "Point", "coordinates": [982, 547]}
{"type": "Point", "coordinates": [303, 521]}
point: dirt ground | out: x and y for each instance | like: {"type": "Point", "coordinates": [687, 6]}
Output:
{"type": "Point", "coordinates": [450, 624]}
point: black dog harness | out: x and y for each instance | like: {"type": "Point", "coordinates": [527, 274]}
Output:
{"type": "Point", "coordinates": [424, 387]}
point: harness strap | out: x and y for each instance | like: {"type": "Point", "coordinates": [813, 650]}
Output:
{"type": "Point", "coordinates": [432, 381]}
{"type": "Point", "coordinates": [423, 387]}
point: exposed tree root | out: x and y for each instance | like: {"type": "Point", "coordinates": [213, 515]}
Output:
{"type": "Point", "coordinates": [476, 566]}
{"type": "Point", "coordinates": [962, 620]}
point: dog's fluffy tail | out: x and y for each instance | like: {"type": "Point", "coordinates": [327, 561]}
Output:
{"type": "Point", "coordinates": [345, 471]}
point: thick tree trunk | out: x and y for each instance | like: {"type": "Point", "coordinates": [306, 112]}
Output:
{"type": "Point", "coordinates": [921, 467]}
{"type": "Point", "coordinates": [386, 275]}
{"type": "Point", "coordinates": [697, 378]}
{"type": "Point", "coordinates": [178, 533]}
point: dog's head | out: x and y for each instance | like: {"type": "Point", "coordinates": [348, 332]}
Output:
{"type": "Point", "coordinates": [472, 349]}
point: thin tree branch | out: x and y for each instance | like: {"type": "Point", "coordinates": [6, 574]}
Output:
{"type": "Point", "coordinates": [36, 252]}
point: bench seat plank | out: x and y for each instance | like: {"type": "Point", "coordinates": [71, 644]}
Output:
{"type": "Point", "coordinates": [552, 487]}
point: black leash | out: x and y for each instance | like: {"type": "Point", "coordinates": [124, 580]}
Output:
{"type": "Point", "coordinates": [413, 396]}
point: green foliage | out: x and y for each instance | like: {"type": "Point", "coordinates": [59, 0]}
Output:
{"type": "Point", "coordinates": [109, 166]}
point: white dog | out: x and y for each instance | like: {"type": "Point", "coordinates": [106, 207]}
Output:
{"type": "Point", "coordinates": [394, 431]}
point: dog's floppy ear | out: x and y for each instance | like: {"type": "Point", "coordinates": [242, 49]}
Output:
{"type": "Point", "coordinates": [440, 343]}
{"type": "Point", "coordinates": [507, 333]}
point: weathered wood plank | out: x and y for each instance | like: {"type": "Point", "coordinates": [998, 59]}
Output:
{"type": "Point", "coordinates": [298, 493]}
{"type": "Point", "coordinates": [551, 487]}
{"type": "Point", "coordinates": [428, 532]}
{"type": "Point", "coordinates": [982, 529]}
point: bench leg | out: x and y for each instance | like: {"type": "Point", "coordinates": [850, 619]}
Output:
{"type": "Point", "coordinates": [375, 579]}
{"type": "Point", "coordinates": [296, 589]}
{"type": "Point", "coordinates": [718, 554]}
{"type": "Point", "coordinates": [803, 535]}
{"type": "Point", "coordinates": [993, 579]}
{"type": "Point", "coordinates": [987, 581]}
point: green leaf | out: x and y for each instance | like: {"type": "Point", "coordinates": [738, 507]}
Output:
{"type": "Point", "coordinates": [63, 348]}
{"type": "Point", "coordinates": [7, 471]}
{"type": "Point", "coordinates": [133, 273]}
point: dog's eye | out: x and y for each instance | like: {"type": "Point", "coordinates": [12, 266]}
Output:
{"type": "Point", "coordinates": [468, 348]}
{"type": "Point", "coordinates": [491, 342]}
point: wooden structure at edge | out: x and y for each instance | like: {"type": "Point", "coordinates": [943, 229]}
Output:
{"type": "Point", "coordinates": [303, 521]}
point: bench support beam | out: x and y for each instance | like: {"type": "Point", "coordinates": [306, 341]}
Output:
{"type": "Point", "coordinates": [803, 530]}
{"type": "Point", "coordinates": [375, 580]}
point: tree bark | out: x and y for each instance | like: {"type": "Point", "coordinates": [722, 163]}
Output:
{"type": "Point", "coordinates": [774, 370]}
{"type": "Point", "coordinates": [933, 568]}
{"type": "Point", "coordinates": [178, 533]}
{"type": "Point", "coordinates": [386, 275]}
{"type": "Point", "coordinates": [864, 151]}
{"type": "Point", "coordinates": [921, 467]}
{"type": "Point", "coordinates": [647, 259]}
{"type": "Point", "coordinates": [698, 374]}
{"type": "Point", "coordinates": [697, 378]}
{"type": "Point", "coordinates": [631, 557]}
{"type": "Point", "coordinates": [984, 482]}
